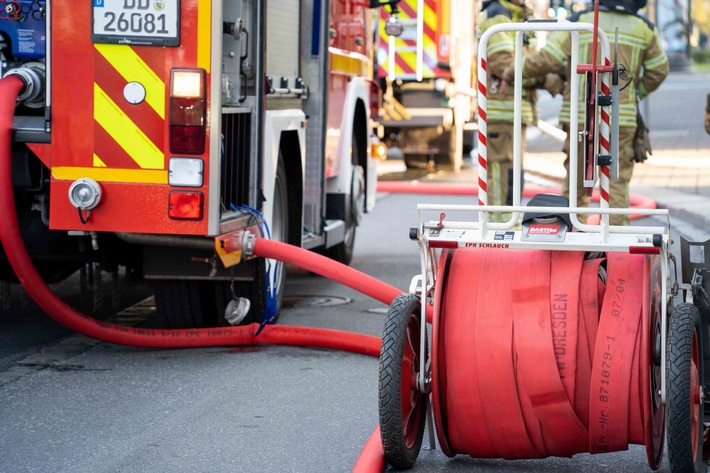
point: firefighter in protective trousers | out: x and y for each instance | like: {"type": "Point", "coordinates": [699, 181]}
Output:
{"type": "Point", "coordinates": [500, 56]}
{"type": "Point", "coordinates": [646, 66]}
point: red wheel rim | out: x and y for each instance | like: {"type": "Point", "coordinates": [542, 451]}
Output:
{"type": "Point", "coordinates": [412, 398]}
{"type": "Point", "coordinates": [695, 395]}
{"type": "Point", "coordinates": [437, 375]}
{"type": "Point", "coordinates": [654, 412]}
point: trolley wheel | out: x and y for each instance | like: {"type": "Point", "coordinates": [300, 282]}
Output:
{"type": "Point", "coordinates": [402, 405]}
{"type": "Point", "coordinates": [685, 405]}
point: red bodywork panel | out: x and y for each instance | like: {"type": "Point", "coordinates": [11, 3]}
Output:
{"type": "Point", "coordinates": [99, 134]}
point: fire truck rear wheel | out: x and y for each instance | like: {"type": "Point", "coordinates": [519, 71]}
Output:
{"type": "Point", "coordinates": [179, 303]}
{"type": "Point", "coordinates": [197, 304]}
{"type": "Point", "coordinates": [256, 290]}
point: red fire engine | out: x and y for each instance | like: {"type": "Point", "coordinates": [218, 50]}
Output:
{"type": "Point", "coordinates": [151, 129]}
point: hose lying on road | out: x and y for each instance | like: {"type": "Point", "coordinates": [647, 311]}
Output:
{"type": "Point", "coordinates": [28, 276]}
{"type": "Point", "coordinates": [446, 188]}
{"type": "Point", "coordinates": [152, 338]}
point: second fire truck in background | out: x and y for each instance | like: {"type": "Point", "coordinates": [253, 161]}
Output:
{"type": "Point", "coordinates": [428, 77]}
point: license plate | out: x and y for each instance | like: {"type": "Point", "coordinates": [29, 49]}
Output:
{"type": "Point", "coordinates": [136, 22]}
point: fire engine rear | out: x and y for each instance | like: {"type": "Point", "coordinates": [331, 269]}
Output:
{"type": "Point", "coordinates": [151, 132]}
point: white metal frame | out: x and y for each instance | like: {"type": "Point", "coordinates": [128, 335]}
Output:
{"type": "Point", "coordinates": [443, 233]}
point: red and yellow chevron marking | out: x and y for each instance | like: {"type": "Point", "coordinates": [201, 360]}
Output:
{"type": "Point", "coordinates": [394, 110]}
{"type": "Point", "coordinates": [128, 136]}
{"type": "Point", "coordinates": [406, 45]}
{"type": "Point", "coordinates": [97, 133]}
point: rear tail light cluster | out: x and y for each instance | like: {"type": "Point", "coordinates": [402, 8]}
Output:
{"type": "Point", "coordinates": [187, 130]}
{"type": "Point", "coordinates": [187, 113]}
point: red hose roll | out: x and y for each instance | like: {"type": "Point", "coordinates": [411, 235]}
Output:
{"type": "Point", "coordinates": [532, 357]}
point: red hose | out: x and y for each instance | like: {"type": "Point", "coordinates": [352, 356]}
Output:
{"type": "Point", "coordinates": [324, 266]}
{"type": "Point", "coordinates": [636, 201]}
{"type": "Point", "coordinates": [33, 283]}
{"type": "Point", "coordinates": [28, 276]}
{"type": "Point", "coordinates": [372, 456]}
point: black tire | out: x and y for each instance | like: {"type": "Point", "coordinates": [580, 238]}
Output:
{"type": "Point", "coordinates": [402, 406]}
{"type": "Point", "coordinates": [198, 304]}
{"type": "Point", "coordinates": [343, 251]}
{"type": "Point", "coordinates": [685, 380]}
{"type": "Point", "coordinates": [179, 303]}
{"type": "Point", "coordinates": [442, 143]}
{"type": "Point", "coordinates": [257, 291]}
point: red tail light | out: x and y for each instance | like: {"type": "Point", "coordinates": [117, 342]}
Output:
{"type": "Point", "coordinates": [187, 111]}
{"type": "Point", "coordinates": [185, 205]}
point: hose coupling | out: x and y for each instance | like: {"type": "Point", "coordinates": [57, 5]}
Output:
{"type": "Point", "coordinates": [33, 76]}
{"type": "Point", "coordinates": [248, 243]}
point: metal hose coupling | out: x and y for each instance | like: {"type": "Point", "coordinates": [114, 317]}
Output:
{"type": "Point", "coordinates": [248, 243]}
{"type": "Point", "coordinates": [33, 76]}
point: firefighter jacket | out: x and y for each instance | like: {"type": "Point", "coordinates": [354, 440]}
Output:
{"type": "Point", "coordinates": [639, 50]}
{"type": "Point", "coordinates": [500, 55]}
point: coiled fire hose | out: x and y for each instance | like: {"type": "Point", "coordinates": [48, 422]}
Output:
{"type": "Point", "coordinates": [551, 362]}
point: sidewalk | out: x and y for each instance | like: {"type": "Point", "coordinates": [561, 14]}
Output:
{"type": "Point", "coordinates": [678, 180]}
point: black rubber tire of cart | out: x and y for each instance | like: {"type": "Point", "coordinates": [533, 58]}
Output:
{"type": "Point", "coordinates": [685, 373]}
{"type": "Point", "coordinates": [402, 406]}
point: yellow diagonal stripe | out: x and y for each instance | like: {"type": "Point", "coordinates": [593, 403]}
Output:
{"type": "Point", "coordinates": [125, 132]}
{"type": "Point", "coordinates": [401, 109]}
{"type": "Point", "coordinates": [430, 18]}
{"type": "Point", "coordinates": [132, 68]}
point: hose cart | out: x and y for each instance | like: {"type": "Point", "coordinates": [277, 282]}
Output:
{"type": "Point", "coordinates": [549, 336]}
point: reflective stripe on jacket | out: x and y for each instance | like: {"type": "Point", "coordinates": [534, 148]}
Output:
{"type": "Point", "coordinates": [639, 49]}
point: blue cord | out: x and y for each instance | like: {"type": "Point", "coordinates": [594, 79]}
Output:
{"type": "Point", "coordinates": [271, 299]}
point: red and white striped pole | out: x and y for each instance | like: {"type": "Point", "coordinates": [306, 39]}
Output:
{"type": "Point", "coordinates": [482, 129]}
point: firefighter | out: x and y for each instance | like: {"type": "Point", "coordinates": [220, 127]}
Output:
{"type": "Point", "coordinates": [646, 64]}
{"type": "Point", "coordinates": [500, 56]}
